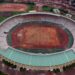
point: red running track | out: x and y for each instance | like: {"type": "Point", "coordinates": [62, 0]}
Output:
{"type": "Point", "coordinates": [13, 7]}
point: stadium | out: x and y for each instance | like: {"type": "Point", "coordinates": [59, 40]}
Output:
{"type": "Point", "coordinates": [38, 43]}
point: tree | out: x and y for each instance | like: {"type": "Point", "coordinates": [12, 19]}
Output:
{"type": "Point", "coordinates": [2, 1]}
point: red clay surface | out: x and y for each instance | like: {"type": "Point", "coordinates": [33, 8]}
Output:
{"type": "Point", "coordinates": [34, 36]}
{"type": "Point", "coordinates": [13, 7]}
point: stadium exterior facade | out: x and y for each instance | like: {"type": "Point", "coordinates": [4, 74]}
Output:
{"type": "Point", "coordinates": [36, 61]}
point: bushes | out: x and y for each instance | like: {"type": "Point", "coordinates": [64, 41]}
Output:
{"type": "Point", "coordinates": [2, 18]}
{"type": "Point", "coordinates": [69, 67]}
{"type": "Point", "coordinates": [56, 70]}
{"type": "Point", "coordinates": [63, 11]}
{"type": "Point", "coordinates": [22, 69]}
{"type": "Point", "coordinates": [65, 68]}
{"type": "Point", "coordinates": [1, 73]}
{"type": "Point", "coordinates": [4, 15]}
{"type": "Point", "coordinates": [30, 5]}
{"type": "Point", "coordinates": [15, 13]}
{"type": "Point", "coordinates": [46, 8]}
{"type": "Point", "coordinates": [8, 64]}
{"type": "Point", "coordinates": [50, 9]}
{"type": "Point", "coordinates": [1, 1]}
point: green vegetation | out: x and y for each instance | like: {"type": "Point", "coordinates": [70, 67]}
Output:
{"type": "Point", "coordinates": [1, 1]}
{"type": "Point", "coordinates": [2, 18]}
{"type": "Point", "coordinates": [50, 9]}
{"type": "Point", "coordinates": [30, 6]}
{"type": "Point", "coordinates": [65, 68]}
{"type": "Point", "coordinates": [1, 73]}
{"type": "Point", "coordinates": [46, 8]}
{"type": "Point", "coordinates": [30, 3]}
{"type": "Point", "coordinates": [8, 64]}
{"type": "Point", "coordinates": [22, 69]}
{"type": "Point", "coordinates": [15, 13]}
{"type": "Point", "coordinates": [63, 11]}
{"type": "Point", "coordinates": [56, 70]}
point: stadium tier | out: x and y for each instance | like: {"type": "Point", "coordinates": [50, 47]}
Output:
{"type": "Point", "coordinates": [33, 41]}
